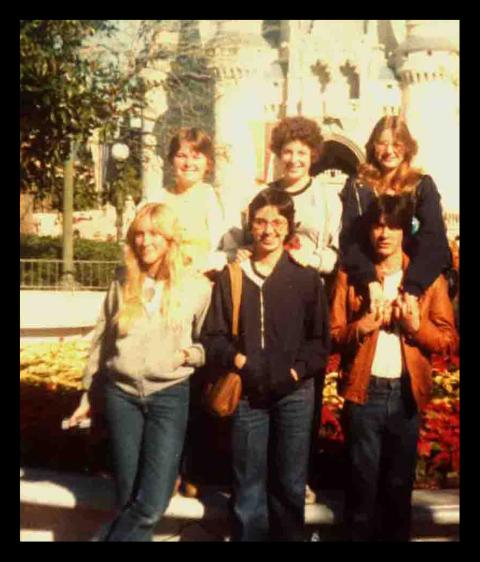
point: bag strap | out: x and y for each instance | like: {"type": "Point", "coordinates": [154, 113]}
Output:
{"type": "Point", "coordinates": [236, 283]}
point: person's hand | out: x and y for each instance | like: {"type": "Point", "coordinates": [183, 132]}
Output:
{"type": "Point", "coordinates": [243, 254]}
{"type": "Point", "coordinates": [300, 256]}
{"type": "Point", "coordinates": [180, 357]}
{"type": "Point", "coordinates": [81, 413]}
{"type": "Point", "coordinates": [294, 374]}
{"type": "Point", "coordinates": [369, 323]}
{"type": "Point", "coordinates": [386, 314]}
{"type": "Point", "coordinates": [406, 312]}
{"type": "Point", "coordinates": [377, 299]}
{"type": "Point", "coordinates": [239, 361]}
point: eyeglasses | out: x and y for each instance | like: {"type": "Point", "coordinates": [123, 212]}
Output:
{"type": "Point", "coordinates": [385, 145]}
{"type": "Point", "coordinates": [277, 224]}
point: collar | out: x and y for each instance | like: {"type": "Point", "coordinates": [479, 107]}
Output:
{"type": "Point", "coordinates": [405, 262]}
{"type": "Point", "coordinates": [259, 281]}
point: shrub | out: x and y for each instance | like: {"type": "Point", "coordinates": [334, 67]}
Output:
{"type": "Point", "coordinates": [50, 247]}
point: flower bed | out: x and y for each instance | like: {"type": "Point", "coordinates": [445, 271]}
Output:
{"type": "Point", "coordinates": [50, 386]}
{"type": "Point", "coordinates": [438, 463]}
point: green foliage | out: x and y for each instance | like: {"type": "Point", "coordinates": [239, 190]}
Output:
{"type": "Point", "coordinates": [64, 95]}
{"type": "Point", "coordinates": [50, 247]}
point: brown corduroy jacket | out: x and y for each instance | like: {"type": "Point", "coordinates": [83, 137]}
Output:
{"type": "Point", "coordinates": [436, 334]}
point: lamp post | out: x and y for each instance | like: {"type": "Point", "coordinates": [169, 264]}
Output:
{"type": "Point", "coordinates": [120, 153]}
{"type": "Point", "coordinates": [68, 277]}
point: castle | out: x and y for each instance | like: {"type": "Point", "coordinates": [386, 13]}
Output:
{"type": "Point", "coordinates": [345, 74]}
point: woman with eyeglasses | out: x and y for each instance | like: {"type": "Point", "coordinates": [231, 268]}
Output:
{"type": "Point", "coordinates": [388, 169]}
{"type": "Point", "coordinates": [282, 347]}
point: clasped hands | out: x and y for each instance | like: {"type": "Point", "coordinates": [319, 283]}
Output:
{"type": "Point", "coordinates": [403, 311]}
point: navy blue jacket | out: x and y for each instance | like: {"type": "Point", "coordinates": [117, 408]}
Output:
{"type": "Point", "coordinates": [295, 333]}
{"type": "Point", "coordinates": [428, 249]}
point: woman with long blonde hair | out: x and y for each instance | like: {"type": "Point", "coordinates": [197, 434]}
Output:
{"type": "Point", "coordinates": [388, 169]}
{"type": "Point", "coordinates": [146, 346]}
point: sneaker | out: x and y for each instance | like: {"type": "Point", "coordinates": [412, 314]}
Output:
{"type": "Point", "coordinates": [310, 496]}
{"type": "Point", "coordinates": [190, 490]}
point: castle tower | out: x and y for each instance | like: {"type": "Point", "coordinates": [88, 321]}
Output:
{"type": "Point", "coordinates": [240, 60]}
{"type": "Point", "coordinates": [154, 75]}
{"type": "Point", "coordinates": [427, 63]}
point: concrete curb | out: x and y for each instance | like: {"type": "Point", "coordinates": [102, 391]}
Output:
{"type": "Point", "coordinates": [77, 491]}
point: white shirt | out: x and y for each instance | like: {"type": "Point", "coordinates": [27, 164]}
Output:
{"type": "Point", "coordinates": [387, 361]}
{"type": "Point", "coordinates": [152, 295]}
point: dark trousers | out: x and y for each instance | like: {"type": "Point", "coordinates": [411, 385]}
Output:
{"type": "Point", "coordinates": [146, 437]}
{"type": "Point", "coordinates": [270, 448]}
{"type": "Point", "coordinates": [381, 441]}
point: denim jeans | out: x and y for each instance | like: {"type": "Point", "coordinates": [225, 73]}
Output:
{"type": "Point", "coordinates": [381, 440]}
{"type": "Point", "coordinates": [270, 448]}
{"type": "Point", "coordinates": [146, 437]}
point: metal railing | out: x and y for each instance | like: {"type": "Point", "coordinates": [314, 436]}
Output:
{"type": "Point", "coordinates": [48, 274]}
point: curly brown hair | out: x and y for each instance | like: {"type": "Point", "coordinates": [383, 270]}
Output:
{"type": "Point", "coordinates": [297, 128]}
{"type": "Point", "coordinates": [405, 177]}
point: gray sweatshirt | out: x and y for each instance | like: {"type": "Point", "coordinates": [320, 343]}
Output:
{"type": "Point", "coordinates": [144, 361]}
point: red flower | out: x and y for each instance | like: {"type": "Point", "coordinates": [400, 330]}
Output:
{"type": "Point", "coordinates": [293, 244]}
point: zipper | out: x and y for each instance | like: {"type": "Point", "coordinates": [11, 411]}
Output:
{"type": "Point", "coordinates": [262, 320]}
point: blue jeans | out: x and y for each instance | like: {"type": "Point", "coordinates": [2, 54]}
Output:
{"type": "Point", "coordinates": [146, 437]}
{"type": "Point", "coordinates": [381, 442]}
{"type": "Point", "coordinates": [270, 448]}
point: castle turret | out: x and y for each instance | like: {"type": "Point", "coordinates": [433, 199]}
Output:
{"type": "Point", "coordinates": [427, 63]}
{"type": "Point", "coordinates": [239, 59]}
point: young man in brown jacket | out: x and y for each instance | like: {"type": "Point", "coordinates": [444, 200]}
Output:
{"type": "Point", "coordinates": [386, 376]}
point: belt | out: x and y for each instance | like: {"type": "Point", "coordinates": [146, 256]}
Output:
{"type": "Point", "coordinates": [384, 382]}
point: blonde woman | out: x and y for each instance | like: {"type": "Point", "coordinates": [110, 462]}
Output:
{"type": "Point", "coordinates": [146, 345]}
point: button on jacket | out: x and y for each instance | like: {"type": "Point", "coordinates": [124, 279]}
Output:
{"type": "Point", "coordinates": [436, 335]}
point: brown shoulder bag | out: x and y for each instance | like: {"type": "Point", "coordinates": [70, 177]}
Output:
{"type": "Point", "coordinates": [221, 394]}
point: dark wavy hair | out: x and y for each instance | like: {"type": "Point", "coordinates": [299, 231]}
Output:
{"type": "Point", "coordinates": [274, 198]}
{"type": "Point", "coordinates": [297, 128]}
{"type": "Point", "coordinates": [198, 139]}
{"type": "Point", "coordinates": [396, 209]}
{"type": "Point", "coordinates": [405, 177]}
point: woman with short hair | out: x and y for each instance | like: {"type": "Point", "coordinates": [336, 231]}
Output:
{"type": "Point", "coordinates": [282, 347]}
{"type": "Point", "coordinates": [191, 155]}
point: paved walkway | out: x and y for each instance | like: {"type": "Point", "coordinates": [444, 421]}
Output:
{"type": "Point", "coordinates": [57, 506]}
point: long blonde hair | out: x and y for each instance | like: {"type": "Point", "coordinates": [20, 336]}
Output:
{"type": "Point", "coordinates": [405, 177]}
{"type": "Point", "coordinates": [173, 270]}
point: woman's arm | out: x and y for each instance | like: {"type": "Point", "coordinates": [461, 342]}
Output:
{"type": "Point", "coordinates": [429, 251]}
{"type": "Point", "coordinates": [216, 225]}
{"type": "Point", "coordinates": [195, 354]}
{"type": "Point", "coordinates": [97, 347]}
{"type": "Point", "coordinates": [329, 250]}
{"type": "Point", "coordinates": [216, 335]}
{"type": "Point", "coordinates": [313, 353]}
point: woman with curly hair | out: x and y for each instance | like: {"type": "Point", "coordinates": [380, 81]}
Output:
{"type": "Point", "coordinates": [388, 169]}
{"type": "Point", "coordinates": [146, 347]}
{"type": "Point", "coordinates": [297, 142]}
